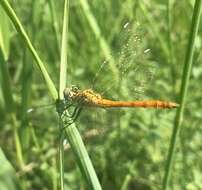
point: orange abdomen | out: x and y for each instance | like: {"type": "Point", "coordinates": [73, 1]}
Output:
{"type": "Point", "coordinates": [145, 104]}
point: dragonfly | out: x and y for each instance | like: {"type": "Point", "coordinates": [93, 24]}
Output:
{"type": "Point", "coordinates": [89, 98]}
{"type": "Point", "coordinates": [131, 65]}
{"type": "Point", "coordinates": [80, 99]}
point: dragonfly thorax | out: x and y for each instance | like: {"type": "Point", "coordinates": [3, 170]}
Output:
{"type": "Point", "coordinates": [81, 97]}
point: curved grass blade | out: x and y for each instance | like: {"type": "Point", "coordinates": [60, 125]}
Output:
{"type": "Point", "coordinates": [11, 14]}
{"type": "Point", "coordinates": [81, 154]}
{"type": "Point", "coordinates": [6, 84]}
{"type": "Point", "coordinates": [55, 24]}
{"type": "Point", "coordinates": [183, 92]}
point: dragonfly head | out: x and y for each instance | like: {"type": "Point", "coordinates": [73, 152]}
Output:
{"type": "Point", "coordinates": [69, 93]}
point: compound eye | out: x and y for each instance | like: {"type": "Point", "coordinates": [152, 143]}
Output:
{"type": "Point", "coordinates": [74, 88]}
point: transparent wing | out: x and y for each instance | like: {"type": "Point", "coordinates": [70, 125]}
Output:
{"type": "Point", "coordinates": [127, 72]}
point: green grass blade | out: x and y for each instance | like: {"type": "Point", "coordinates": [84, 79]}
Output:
{"type": "Point", "coordinates": [79, 150]}
{"type": "Point", "coordinates": [82, 157]}
{"type": "Point", "coordinates": [55, 23]}
{"type": "Point", "coordinates": [4, 33]}
{"type": "Point", "coordinates": [4, 51]}
{"type": "Point", "coordinates": [171, 57]}
{"type": "Point", "coordinates": [72, 133]}
{"type": "Point", "coordinates": [63, 70]}
{"type": "Point", "coordinates": [61, 159]}
{"type": "Point", "coordinates": [8, 177]}
{"type": "Point", "coordinates": [6, 86]}
{"type": "Point", "coordinates": [64, 49]}
{"type": "Point", "coordinates": [11, 14]}
{"type": "Point", "coordinates": [184, 87]}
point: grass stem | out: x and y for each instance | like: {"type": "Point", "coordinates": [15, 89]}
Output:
{"type": "Point", "coordinates": [11, 14]}
{"type": "Point", "coordinates": [183, 92]}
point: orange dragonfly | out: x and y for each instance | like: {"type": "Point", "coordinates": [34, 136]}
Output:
{"type": "Point", "coordinates": [132, 64]}
{"type": "Point", "coordinates": [88, 98]}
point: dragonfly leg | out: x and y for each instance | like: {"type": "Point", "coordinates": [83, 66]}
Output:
{"type": "Point", "coordinates": [73, 117]}
{"type": "Point", "coordinates": [68, 106]}
{"type": "Point", "coordinates": [62, 105]}
{"type": "Point", "coordinates": [77, 113]}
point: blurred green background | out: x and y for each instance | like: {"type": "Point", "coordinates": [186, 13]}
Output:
{"type": "Point", "coordinates": [128, 147]}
